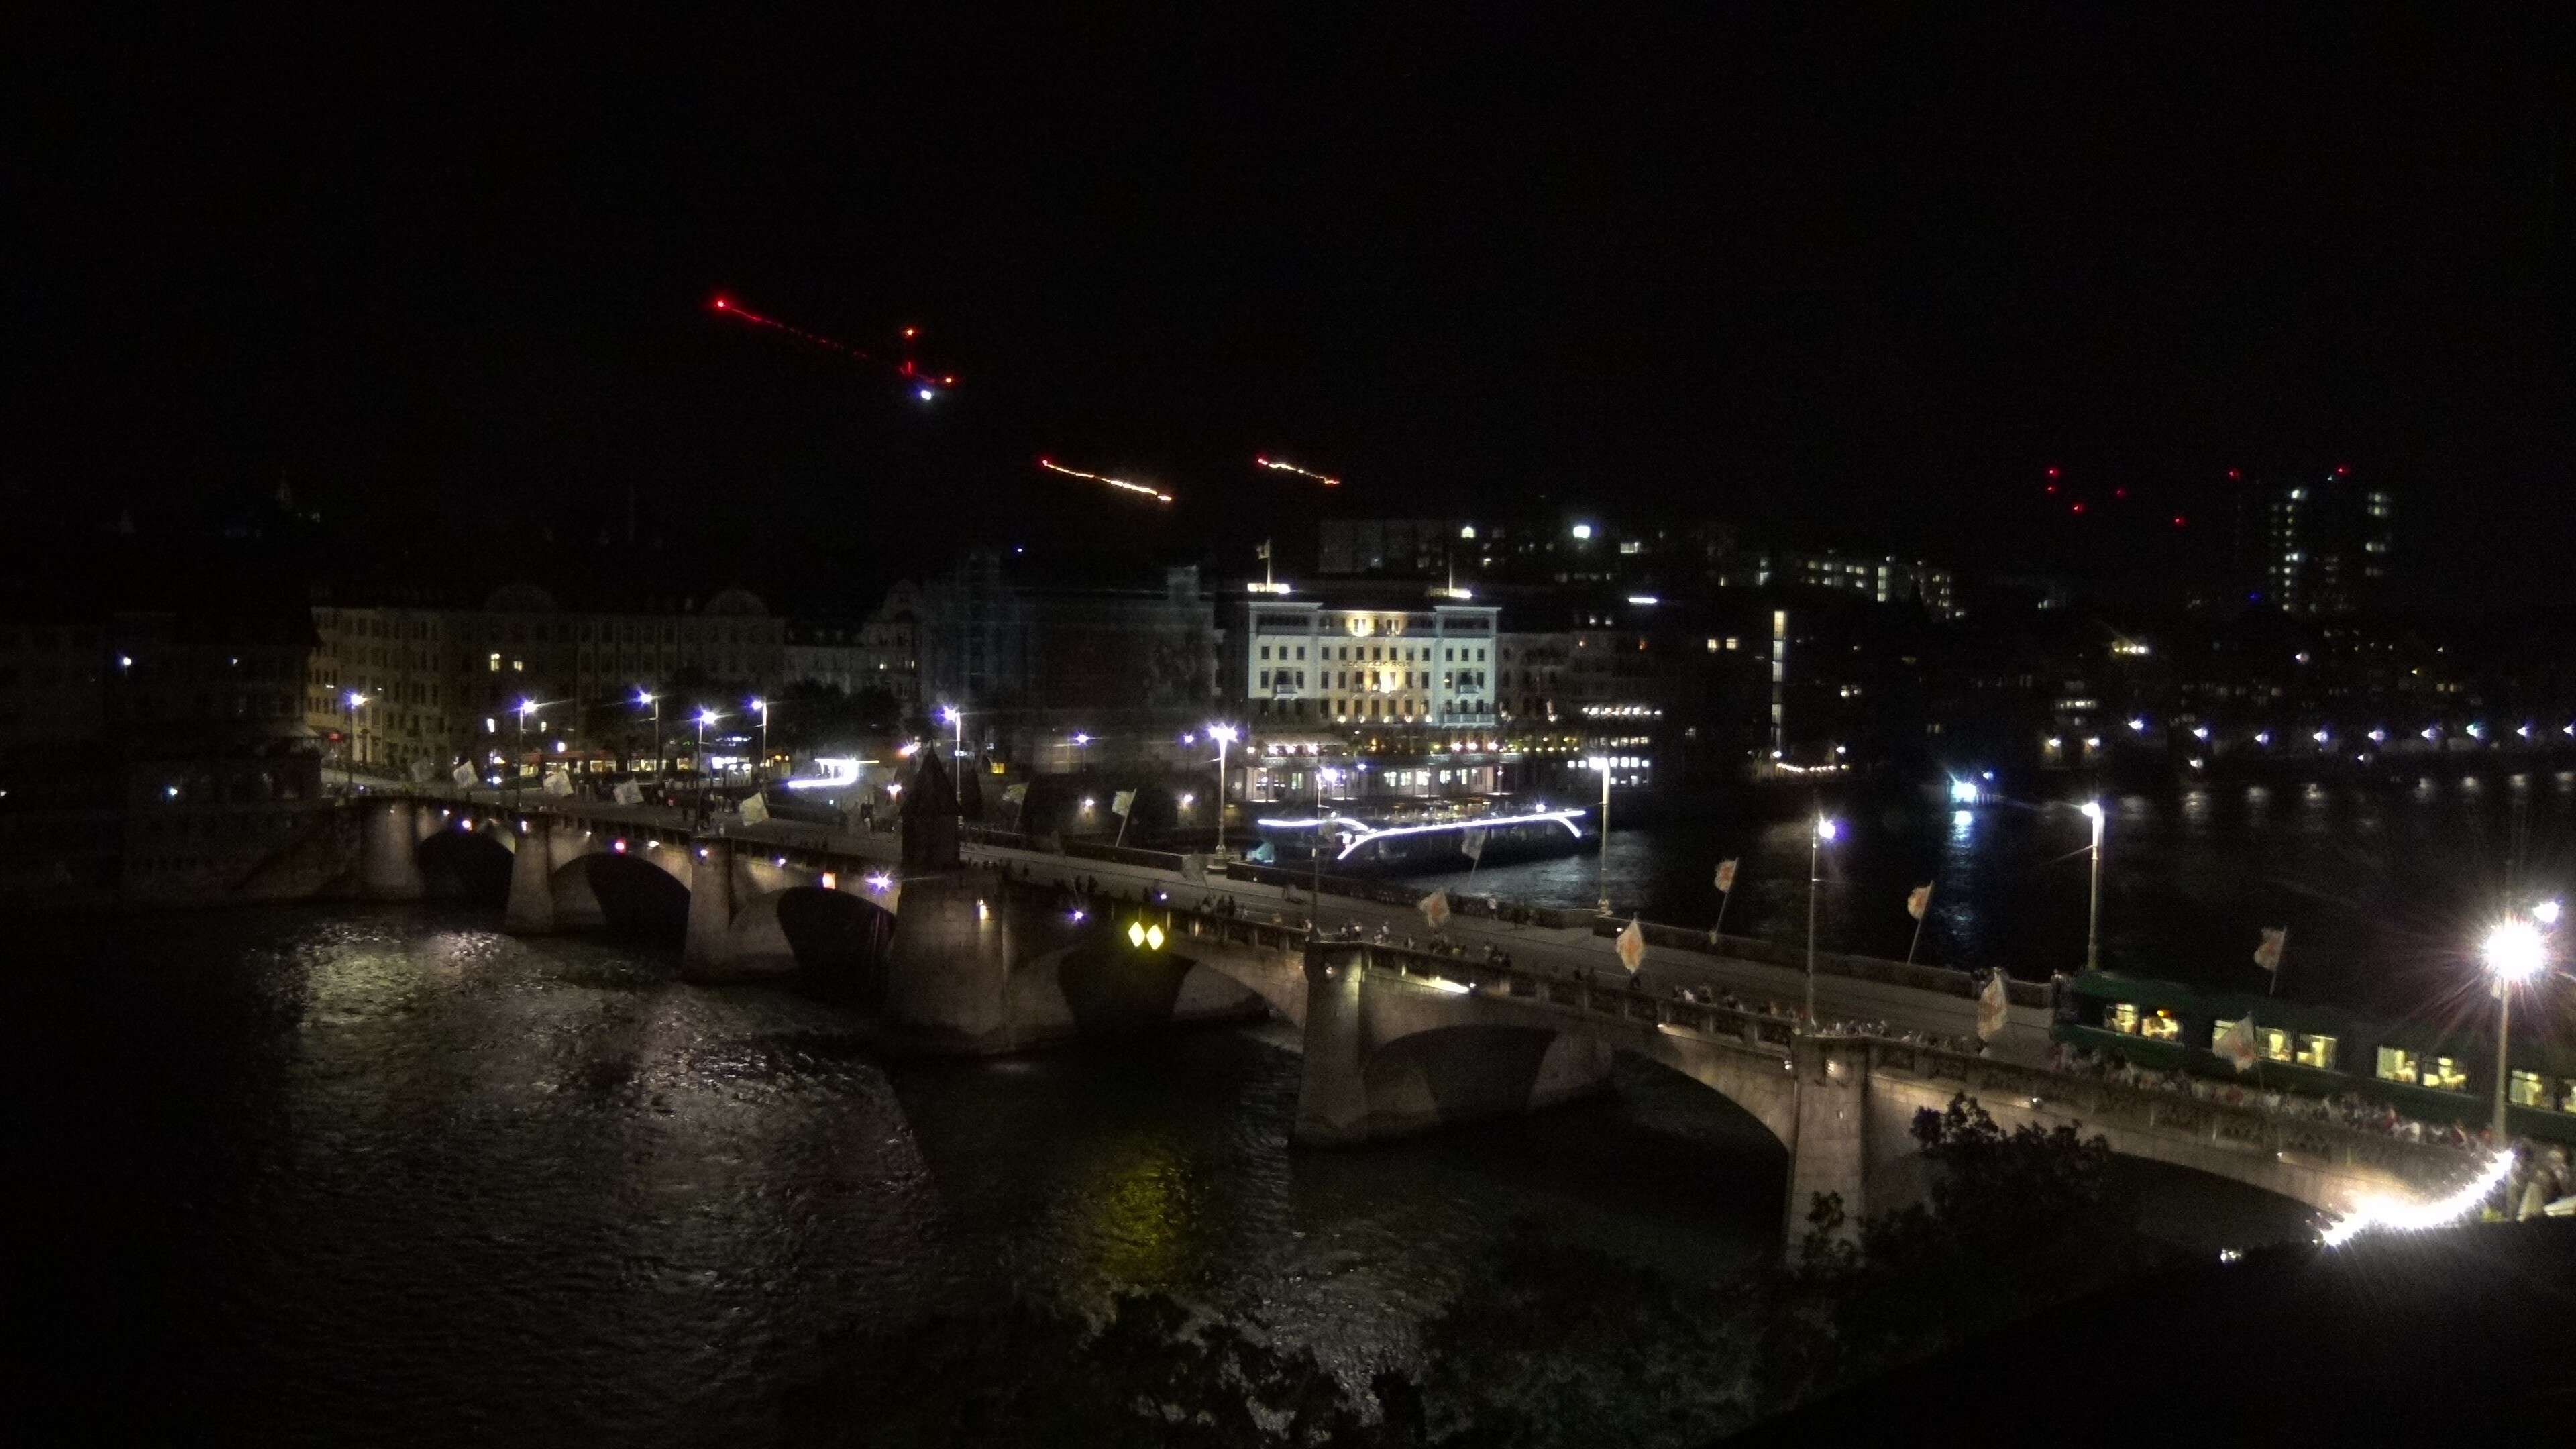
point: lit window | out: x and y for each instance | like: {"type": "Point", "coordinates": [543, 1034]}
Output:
{"type": "Point", "coordinates": [2396, 1065]}
{"type": "Point", "coordinates": [2317, 1052]}
{"type": "Point", "coordinates": [496, 664]}
{"type": "Point", "coordinates": [2121, 1016]}
{"type": "Point", "coordinates": [2163, 1026]}
{"type": "Point", "coordinates": [2447, 1074]}
{"type": "Point", "coordinates": [2525, 1089]}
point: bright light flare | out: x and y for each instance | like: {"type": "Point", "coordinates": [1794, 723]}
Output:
{"type": "Point", "coordinates": [2389, 1215]}
{"type": "Point", "coordinates": [1053, 466]}
{"type": "Point", "coordinates": [1827, 828]}
{"type": "Point", "coordinates": [1963, 792]}
{"type": "Point", "coordinates": [2514, 950]}
{"type": "Point", "coordinates": [1285, 467]}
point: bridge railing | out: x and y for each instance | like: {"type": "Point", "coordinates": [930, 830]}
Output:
{"type": "Point", "coordinates": [2103, 1102]}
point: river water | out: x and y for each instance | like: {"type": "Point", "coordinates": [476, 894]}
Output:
{"type": "Point", "coordinates": [354, 1173]}
{"type": "Point", "coordinates": [2383, 887]}
{"type": "Point", "coordinates": [382, 1174]}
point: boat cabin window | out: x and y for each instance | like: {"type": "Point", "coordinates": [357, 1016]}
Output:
{"type": "Point", "coordinates": [2316, 1051]}
{"type": "Point", "coordinates": [2163, 1026]}
{"type": "Point", "coordinates": [2567, 1094]}
{"type": "Point", "coordinates": [2396, 1064]}
{"type": "Point", "coordinates": [2526, 1089]}
{"type": "Point", "coordinates": [2121, 1016]}
{"type": "Point", "coordinates": [2446, 1073]}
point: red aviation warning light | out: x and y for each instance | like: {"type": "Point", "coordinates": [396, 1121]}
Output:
{"type": "Point", "coordinates": [905, 368]}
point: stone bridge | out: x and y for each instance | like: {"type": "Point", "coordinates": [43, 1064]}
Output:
{"type": "Point", "coordinates": [1399, 1041]}
{"type": "Point", "coordinates": [1396, 1041]}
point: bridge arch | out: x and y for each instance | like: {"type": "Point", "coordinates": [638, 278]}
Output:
{"type": "Point", "coordinates": [466, 862]}
{"type": "Point", "coordinates": [625, 894]}
{"type": "Point", "coordinates": [799, 927]}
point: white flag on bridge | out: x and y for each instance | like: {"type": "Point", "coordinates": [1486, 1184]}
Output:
{"type": "Point", "coordinates": [2268, 955]}
{"type": "Point", "coordinates": [1472, 844]}
{"type": "Point", "coordinates": [754, 809]}
{"type": "Point", "coordinates": [1918, 900]}
{"type": "Point", "coordinates": [1435, 908]}
{"type": "Point", "coordinates": [629, 793]}
{"type": "Point", "coordinates": [1122, 802]}
{"type": "Point", "coordinates": [1991, 1004]}
{"type": "Point", "coordinates": [1632, 946]}
{"type": "Point", "coordinates": [557, 784]}
{"type": "Point", "coordinates": [1725, 876]}
{"type": "Point", "coordinates": [464, 776]}
{"type": "Point", "coordinates": [421, 770]}
{"type": "Point", "coordinates": [2236, 1044]}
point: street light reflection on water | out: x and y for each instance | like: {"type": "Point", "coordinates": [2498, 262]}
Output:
{"type": "Point", "coordinates": [379, 1132]}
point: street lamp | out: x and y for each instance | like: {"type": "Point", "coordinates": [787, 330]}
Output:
{"type": "Point", "coordinates": [646, 696]}
{"type": "Point", "coordinates": [2515, 953]}
{"type": "Point", "coordinates": [2093, 917]}
{"type": "Point", "coordinates": [349, 745]}
{"type": "Point", "coordinates": [763, 706]}
{"type": "Point", "coordinates": [955, 719]}
{"type": "Point", "coordinates": [1826, 829]}
{"type": "Point", "coordinates": [1224, 735]}
{"type": "Point", "coordinates": [706, 717]}
{"type": "Point", "coordinates": [1602, 870]}
{"type": "Point", "coordinates": [1081, 751]}
{"type": "Point", "coordinates": [526, 708]}
{"type": "Point", "coordinates": [1324, 776]}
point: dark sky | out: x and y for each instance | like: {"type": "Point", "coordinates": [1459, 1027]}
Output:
{"type": "Point", "coordinates": [1770, 264]}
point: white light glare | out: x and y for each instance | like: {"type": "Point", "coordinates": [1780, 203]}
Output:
{"type": "Point", "coordinates": [2514, 950]}
{"type": "Point", "coordinates": [2546, 913]}
{"type": "Point", "coordinates": [1827, 828]}
{"type": "Point", "coordinates": [2391, 1215]}
{"type": "Point", "coordinates": [1963, 792]}
{"type": "Point", "coordinates": [2093, 810]}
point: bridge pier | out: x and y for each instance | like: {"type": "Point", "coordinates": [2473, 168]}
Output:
{"type": "Point", "coordinates": [531, 911]}
{"type": "Point", "coordinates": [708, 952]}
{"type": "Point", "coordinates": [949, 976]}
{"type": "Point", "coordinates": [1830, 1153]}
{"type": "Point", "coordinates": [388, 857]}
{"type": "Point", "coordinates": [1332, 1091]}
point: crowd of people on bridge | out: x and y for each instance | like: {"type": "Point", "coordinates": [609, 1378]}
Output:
{"type": "Point", "coordinates": [2345, 1109]}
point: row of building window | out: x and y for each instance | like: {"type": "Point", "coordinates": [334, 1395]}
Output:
{"type": "Point", "coordinates": [2317, 1050]}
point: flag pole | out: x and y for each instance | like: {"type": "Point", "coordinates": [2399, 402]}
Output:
{"type": "Point", "coordinates": [1719, 930]}
{"type": "Point", "coordinates": [1918, 936]}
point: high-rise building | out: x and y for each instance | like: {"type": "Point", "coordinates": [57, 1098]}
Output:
{"type": "Point", "coordinates": [2327, 543]}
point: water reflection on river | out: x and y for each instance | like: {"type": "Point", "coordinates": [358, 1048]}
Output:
{"type": "Point", "coordinates": [2383, 886]}
{"type": "Point", "coordinates": [348, 1173]}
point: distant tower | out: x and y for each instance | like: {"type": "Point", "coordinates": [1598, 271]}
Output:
{"type": "Point", "coordinates": [2327, 544]}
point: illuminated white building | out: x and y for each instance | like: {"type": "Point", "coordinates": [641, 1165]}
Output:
{"type": "Point", "coordinates": [1306, 661]}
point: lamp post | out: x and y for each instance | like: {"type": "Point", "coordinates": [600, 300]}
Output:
{"type": "Point", "coordinates": [1602, 869]}
{"type": "Point", "coordinates": [706, 717]}
{"type": "Point", "coordinates": [1825, 830]}
{"type": "Point", "coordinates": [2093, 917]}
{"type": "Point", "coordinates": [349, 745]}
{"type": "Point", "coordinates": [1324, 776]}
{"type": "Point", "coordinates": [1081, 751]}
{"type": "Point", "coordinates": [526, 707]}
{"type": "Point", "coordinates": [1224, 735]}
{"type": "Point", "coordinates": [763, 767]}
{"type": "Point", "coordinates": [2514, 953]}
{"type": "Point", "coordinates": [646, 696]}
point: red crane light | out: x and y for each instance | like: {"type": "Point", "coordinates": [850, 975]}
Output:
{"type": "Point", "coordinates": [2178, 520]}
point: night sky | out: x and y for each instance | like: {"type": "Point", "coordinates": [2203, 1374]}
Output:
{"type": "Point", "coordinates": [1862, 280]}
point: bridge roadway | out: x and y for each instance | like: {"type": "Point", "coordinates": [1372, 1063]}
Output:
{"type": "Point", "coordinates": [1398, 1039]}
{"type": "Point", "coordinates": [1571, 951]}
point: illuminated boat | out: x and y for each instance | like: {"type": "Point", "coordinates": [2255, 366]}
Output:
{"type": "Point", "coordinates": [1400, 845]}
